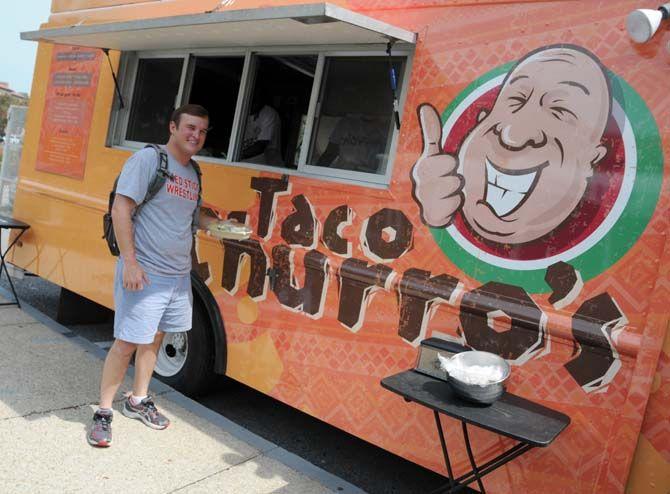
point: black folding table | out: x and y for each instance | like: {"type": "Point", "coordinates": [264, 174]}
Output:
{"type": "Point", "coordinates": [511, 416]}
{"type": "Point", "coordinates": [10, 224]}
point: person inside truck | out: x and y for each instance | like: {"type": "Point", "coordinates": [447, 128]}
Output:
{"type": "Point", "coordinates": [525, 166]}
{"type": "Point", "coordinates": [152, 282]}
{"type": "Point", "coordinates": [356, 143]}
{"type": "Point", "coordinates": [358, 139]}
{"type": "Point", "coordinates": [262, 134]}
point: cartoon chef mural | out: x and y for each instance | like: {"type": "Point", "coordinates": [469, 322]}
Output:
{"type": "Point", "coordinates": [536, 166]}
{"type": "Point", "coordinates": [525, 166]}
{"type": "Point", "coordinates": [539, 163]}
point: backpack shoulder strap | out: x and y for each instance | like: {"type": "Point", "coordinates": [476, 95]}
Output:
{"type": "Point", "coordinates": [196, 211]}
{"type": "Point", "coordinates": [112, 195]}
{"type": "Point", "coordinates": [160, 176]}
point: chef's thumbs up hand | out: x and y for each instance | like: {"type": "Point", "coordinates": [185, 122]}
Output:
{"type": "Point", "coordinates": [437, 187]}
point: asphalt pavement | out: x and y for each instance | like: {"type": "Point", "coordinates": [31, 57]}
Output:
{"type": "Point", "coordinates": [48, 390]}
{"type": "Point", "coordinates": [346, 457]}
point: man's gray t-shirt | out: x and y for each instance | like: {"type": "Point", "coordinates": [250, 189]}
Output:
{"type": "Point", "coordinates": [163, 234]}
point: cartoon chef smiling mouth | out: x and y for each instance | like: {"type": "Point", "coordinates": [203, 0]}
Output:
{"type": "Point", "coordinates": [525, 166]}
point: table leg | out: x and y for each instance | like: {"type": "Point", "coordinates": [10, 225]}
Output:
{"type": "Point", "coordinates": [475, 470]}
{"type": "Point", "coordinates": [3, 265]}
{"type": "Point", "coordinates": [497, 462]}
{"type": "Point", "coordinates": [445, 453]}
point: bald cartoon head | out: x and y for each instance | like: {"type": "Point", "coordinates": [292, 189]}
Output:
{"type": "Point", "coordinates": [527, 162]}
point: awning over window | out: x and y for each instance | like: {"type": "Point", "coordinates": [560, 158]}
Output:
{"type": "Point", "coordinates": [310, 24]}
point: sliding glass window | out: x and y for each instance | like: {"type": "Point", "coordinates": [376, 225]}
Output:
{"type": "Point", "coordinates": [320, 113]}
{"type": "Point", "coordinates": [156, 87]}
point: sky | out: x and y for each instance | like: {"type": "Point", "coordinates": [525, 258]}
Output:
{"type": "Point", "coordinates": [17, 58]}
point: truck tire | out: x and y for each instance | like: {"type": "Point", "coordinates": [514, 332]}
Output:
{"type": "Point", "coordinates": [185, 360]}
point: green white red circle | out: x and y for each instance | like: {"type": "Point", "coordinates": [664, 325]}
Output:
{"type": "Point", "coordinates": [612, 238]}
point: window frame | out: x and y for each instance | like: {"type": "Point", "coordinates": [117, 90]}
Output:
{"type": "Point", "coordinates": [131, 64]}
{"type": "Point", "coordinates": [128, 74]}
{"type": "Point", "coordinates": [315, 170]}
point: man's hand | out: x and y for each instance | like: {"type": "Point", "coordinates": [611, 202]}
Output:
{"type": "Point", "coordinates": [207, 218]}
{"type": "Point", "coordinates": [437, 187]}
{"type": "Point", "coordinates": [134, 277]}
{"type": "Point", "coordinates": [229, 229]}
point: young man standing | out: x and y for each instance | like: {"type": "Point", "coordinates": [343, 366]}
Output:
{"type": "Point", "coordinates": [152, 285]}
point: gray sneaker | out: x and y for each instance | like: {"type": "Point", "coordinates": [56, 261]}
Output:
{"type": "Point", "coordinates": [147, 412]}
{"type": "Point", "coordinates": [100, 432]}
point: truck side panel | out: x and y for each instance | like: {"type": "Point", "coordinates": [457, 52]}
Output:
{"type": "Point", "coordinates": [575, 298]}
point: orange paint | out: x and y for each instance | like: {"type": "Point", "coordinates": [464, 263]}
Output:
{"type": "Point", "coordinates": [619, 431]}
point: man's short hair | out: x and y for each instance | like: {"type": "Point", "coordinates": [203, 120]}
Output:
{"type": "Point", "coordinates": [188, 109]}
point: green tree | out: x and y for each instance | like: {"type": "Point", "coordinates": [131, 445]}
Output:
{"type": "Point", "coordinates": [6, 100]}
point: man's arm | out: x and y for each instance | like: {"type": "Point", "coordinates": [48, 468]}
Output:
{"type": "Point", "coordinates": [329, 155]}
{"type": "Point", "coordinates": [134, 277]}
{"type": "Point", "coordinates": [222, 229]}
{"type": "Point", "coordinates": [206, 218]}
{"type": "Point", "coordinates": [255, 149]}
{"type": "Point", "coordinates": [269, 123]}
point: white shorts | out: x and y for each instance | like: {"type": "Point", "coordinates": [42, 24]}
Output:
{"type": "Point", "coordinates": [165, 304]}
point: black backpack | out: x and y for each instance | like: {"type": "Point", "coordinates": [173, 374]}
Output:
{"type": "Point", "coordinates": [158, 180]}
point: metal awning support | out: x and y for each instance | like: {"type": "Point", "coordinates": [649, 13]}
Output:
{"type": "Point", "coordinates": [116, 81]}
{"type": "Point", "coordinates": [394, 84]}
{"type": "Point", "coordinates": [290, 25]}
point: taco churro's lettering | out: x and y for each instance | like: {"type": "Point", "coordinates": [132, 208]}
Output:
{"type": "Point", "coordinates": [594, 326]}
{"type": "Point", "coordinates": [419, 297]}
{"type": "Point", "coordinates": [269, 189]}
{"type": "Point", "coordinates": [358, 283]}
{"type": "Point", "coordinates": [317, 276]}
{"type": "Point", "coordinates": [337, 220]}
{"type": "Point", "coordinates": [566, 283]}
{"type": "Point", "coordinates": [526, 324]}
{"type": "Point", "coordinates": [495, 317]}
{"type": "Point", "coordinates": [309, 299]}
{"type": "Point", "coordinates": [236, 251]}
{"type": "Point", "coordinates": [300, 228]}
{"type": "Point", "coordinates": [387, 235]}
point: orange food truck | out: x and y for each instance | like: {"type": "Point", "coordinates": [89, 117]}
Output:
{"type": "Point", "coordinates": [490, 173]}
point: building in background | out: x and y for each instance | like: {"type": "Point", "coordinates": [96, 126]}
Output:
{"type": "Point", "coordinates": [6, 90]}
{"type": "Point", "coordinates": [8, 97]}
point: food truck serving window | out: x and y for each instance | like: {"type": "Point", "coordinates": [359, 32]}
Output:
{"type": "Point", "coordinates": [320, 112]}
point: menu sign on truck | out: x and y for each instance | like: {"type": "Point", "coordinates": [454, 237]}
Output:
{"type": "Point", "coordinates": [68, 110]}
